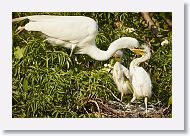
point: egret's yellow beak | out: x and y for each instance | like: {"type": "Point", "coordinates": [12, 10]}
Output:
{"type": "Point", "coordinates": [138, 51]}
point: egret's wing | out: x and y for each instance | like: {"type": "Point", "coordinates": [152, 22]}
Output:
{"type": "Point", "coordinates": [68, 28]}
{"type": "Point", "coordinates": [40, 18]}
{"type": "Point", "coordinates": [117, 71]}
{"type": "Point", "coordinates": [141, 77]}
{"type": "Point", "coordinates": [141, 82]}
{"type": "Point", "coordinates": [127, 78]}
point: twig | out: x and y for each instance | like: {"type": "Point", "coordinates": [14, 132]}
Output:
{"type": "Point", "coordinates": [93, 101]}
{"type": "Point", "coordinates": [150, 23]}
{"type": "Point", "coordinates": [112, 93]}
{"type": "Point", "coordinates": [85, 110]}
{"type": "Point", "coordinates": [168, 21]}
{"type": "Point", "coordinates": [109, 109]}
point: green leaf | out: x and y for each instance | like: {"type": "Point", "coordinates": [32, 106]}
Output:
{"type": "Point", "coordinates": [25, 84]}
{"type": "Point", "coordinates": [170, 101]}
{"type": "Point", "coordinates": [19, 52]}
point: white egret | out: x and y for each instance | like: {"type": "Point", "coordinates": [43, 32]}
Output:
{"type": "Point", "coordinates": [140, 79]}
{"type": "Point", "coordinates": [72, 32]}
{"type": "Point", "coordinates": [121, 76]}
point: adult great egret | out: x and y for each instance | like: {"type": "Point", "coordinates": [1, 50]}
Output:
{"type": "Point", "coordinates": [140, 79]}
{"type": "Point", "coordinates": [72, 32]}
{"type": "Point", "coordinates": [121, 76]}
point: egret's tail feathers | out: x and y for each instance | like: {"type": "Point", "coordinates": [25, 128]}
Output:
{"type": "Point", "coordinates": [19, 19]}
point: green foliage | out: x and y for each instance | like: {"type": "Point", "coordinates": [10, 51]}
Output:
{"type": "Point", "coordinates": [170, 101]}
{"type": "Point", "coordinates": [19, 52]}
{"type": "Point", "coordinates": [48, 83]}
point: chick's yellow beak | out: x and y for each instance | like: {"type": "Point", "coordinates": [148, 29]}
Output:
{"type": "Point", "coordinates": [138, 51]}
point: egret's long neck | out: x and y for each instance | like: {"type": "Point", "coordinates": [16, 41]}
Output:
{"type": "Point", "coordinates": [137, 61]}
{"type": "Point", "coordinates": [100, 55]}
{"type": "Point", "coordinates": [97, 54]}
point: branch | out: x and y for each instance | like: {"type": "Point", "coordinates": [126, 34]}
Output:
{"type": "Point", "coordinates": [150, 23]}
{"type": "Point", "coordinates": [98, 108]}
{"type": "Point", "coordinates": [168, 21]}
{"type": "Point", "coordinates": [107, 89]}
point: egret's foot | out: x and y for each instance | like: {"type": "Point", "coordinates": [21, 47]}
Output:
{"type": "Point", "coordinates": [121, 99]}
{"type": "Point", "coordinates": [146, 101]}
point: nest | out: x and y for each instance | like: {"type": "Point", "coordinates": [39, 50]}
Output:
{"type": "Point", "coordinates": [116, 109]}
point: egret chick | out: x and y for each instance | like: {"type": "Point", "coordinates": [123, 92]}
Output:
{"type": "Point", "coordinates": [74, 32]}
{"type": "Point", "coordinates": [140, 79]}
{"type": "Point", "coordinates": [121, 76]}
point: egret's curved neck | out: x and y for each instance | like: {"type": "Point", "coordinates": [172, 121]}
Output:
{"type": "Point", "coordinates": [137, 61]}
{"type": "Point", "coordinates": [101, 55]}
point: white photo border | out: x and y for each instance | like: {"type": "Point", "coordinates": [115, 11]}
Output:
{"type": "Point", "coordinates": [174, 123]}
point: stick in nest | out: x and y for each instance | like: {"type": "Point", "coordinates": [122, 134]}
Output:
{"type": "Point", "coordinates": [98, 108]}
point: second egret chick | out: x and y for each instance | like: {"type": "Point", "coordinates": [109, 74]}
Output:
{"type": "Point", "coordinates": [140, 79]}
{"type": "Point", "coordinates": [121, 75]}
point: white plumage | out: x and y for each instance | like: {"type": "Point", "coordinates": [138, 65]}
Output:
{"type": "Point", "coordinates": [140, 79]}
{"type": "Point", "coordinates": [121, 76]}
{"type": "Point", "coordinates": [74, 31]}
{"type": "Point", "coordinates": [141, 82]}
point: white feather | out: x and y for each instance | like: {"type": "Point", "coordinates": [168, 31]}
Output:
{"type": "Point", "coordinates": [119, 75]}
{"type": "Point", "coordinates": [141, 82]}
{"type": "Point", "coordinates": [140, 79]}
{"type": "Point", "coordinates": [75, 31]}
